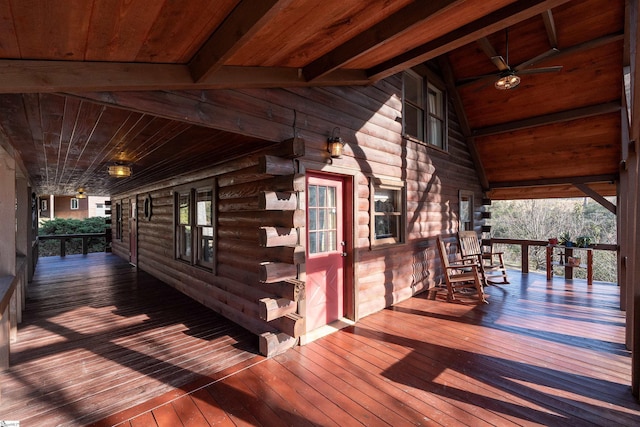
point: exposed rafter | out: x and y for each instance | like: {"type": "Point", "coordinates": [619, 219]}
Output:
{"type": "Point", "coordinates": [23, 76]}
{"type": "Point", "coordinates": [239, 27]}
{"type": "Point", "coordinates": [548, 119]}
{"type": "Point", "coordinates": [382, 33]}
{"type": "Point", "coordinates": [555, 181]}
{"type": "Point", "coordinates": [597, 197]}
{"type": "Point", "coordinates": [471, 32]}
{"type": "Point", "coordinates": [449, 80]}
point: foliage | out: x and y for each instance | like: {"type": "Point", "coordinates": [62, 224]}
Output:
{"type": "Point", "coordinates": [561, 218]}
{"type": "Point", "coordinates": [71, 226]}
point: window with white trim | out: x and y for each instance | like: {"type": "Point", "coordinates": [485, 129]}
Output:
{"type": "Point", "coordinates": [424, 109]}
{"type": "Point", "coordinates": [387, 212]}
{"type": "Point", "coordinates": [75, 204]}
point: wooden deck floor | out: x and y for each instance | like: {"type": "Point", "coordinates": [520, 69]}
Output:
{"type": "Point", "coordinates": [98, 337]}
{"type": "Point", "coordinates": [539, 354]}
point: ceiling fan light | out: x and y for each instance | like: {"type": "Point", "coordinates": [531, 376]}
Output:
{"type": "Point", "coordinates": [507, 81]}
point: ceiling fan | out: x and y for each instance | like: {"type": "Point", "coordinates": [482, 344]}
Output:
{"type": "Point", "coordinates": [508, 77]}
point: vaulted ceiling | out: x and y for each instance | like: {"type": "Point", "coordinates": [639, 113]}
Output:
{"type": "Point", "coordinates": [552, 135]}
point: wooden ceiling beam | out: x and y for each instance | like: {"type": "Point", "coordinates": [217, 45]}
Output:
{"type": "Point", "coordinates": [25, 76]}
{"type": "Point", "coordinates": [380, 34]}
{"type": "Point", "coordinates": [489, 24]}
{"type": "Point", "coordinates": [246, 19]}
{"type": "Point", "coordinates": [548, 119]}
{"type": "Point", "coordinates": [597, 197]}
{"type": "Point", "coordinates": [573, 180]}
{"type": "Point", "coordinates": [449, 80]}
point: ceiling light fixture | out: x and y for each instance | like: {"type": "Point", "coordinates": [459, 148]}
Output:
{"type": "Point", "coordinates": [119, 171]}
{"type": "Point", "coordinates": [508, 80]}
{"type": "Point", "coordinates": [80, 194]}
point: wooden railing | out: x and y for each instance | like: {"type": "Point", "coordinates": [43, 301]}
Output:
{"type": "Point", "coordinates": [12, 298]}
{"type": "Point", "coordinates": [526, 244]}
{"type": "Point", "coordinates": [63, 238]}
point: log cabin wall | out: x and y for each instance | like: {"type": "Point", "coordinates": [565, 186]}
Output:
{"type": "Point", "coordinates": [258, 279]}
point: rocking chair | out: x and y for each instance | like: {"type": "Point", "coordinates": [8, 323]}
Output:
{"type": "Point", "coordinates": [491, 263]}
{"type": "Point", "coordinates": [459, 274]}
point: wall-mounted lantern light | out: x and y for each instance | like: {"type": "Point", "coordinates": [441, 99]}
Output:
{"type": "Point", "coordinates": [335, 144]}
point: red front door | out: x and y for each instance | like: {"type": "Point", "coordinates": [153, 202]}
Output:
{"type": "Point", "coordinates": [325, 251]}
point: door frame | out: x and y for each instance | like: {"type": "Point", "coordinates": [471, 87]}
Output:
{"type": "Point", "coordinates": [350, 310]}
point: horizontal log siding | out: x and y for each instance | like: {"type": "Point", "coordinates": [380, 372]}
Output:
{"type": "Point", "coordinates": [370, 123]}
{"type": "Point", "coordinates": [234, 290]}
{"type": "Point", "coordinates": [369, 119]}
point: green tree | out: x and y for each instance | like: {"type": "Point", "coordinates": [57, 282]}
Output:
{"type": "Point", "coordinates": [547, 218]}
{"type": "Point", "coordinates": [71, 226]}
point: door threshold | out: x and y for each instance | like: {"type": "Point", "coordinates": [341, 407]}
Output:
{"type": "Point", "coordinates": [325, 330]}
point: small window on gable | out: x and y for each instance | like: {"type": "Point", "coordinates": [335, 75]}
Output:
{"type": "Point", "coordinates": [195, 222]}
{"type": "Point", "coordinates": [465, 214]}
{"type": "Point", "coordinates": [424, 110]}
{"type": "Point", "coordinates": [387, 212]}
{"type": "Point", "coordinates": [75, 204]}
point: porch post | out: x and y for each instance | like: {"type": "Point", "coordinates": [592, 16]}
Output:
{"type": "Point", "coordinates": [632, 213]}
{"type": "Point", "coordinates": [7, 248]}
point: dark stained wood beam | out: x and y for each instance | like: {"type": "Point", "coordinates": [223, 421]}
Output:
{"type": "Point", "coordinates": [596, 196]}
{"type": "Point", "coordinates": [550, 26]}
{"type": "Point", "coordinates": [238, 28]}
{"type": "Point", "coordinates": [632, 213]}
{"type": "Point", "coordinates": [555, 181]}
{"type": "Point", "coordinates": [449, 80]}
{"type": "Point", "coordinates": [548, 119]}
{"type": "Point", "coordinates": [382, 33]}
{"type": "Point", "coordinates": [489, 24]}
{"type": "Point", "coordinates": [25, 76]}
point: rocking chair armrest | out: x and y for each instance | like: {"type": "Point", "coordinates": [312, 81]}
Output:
{"type": "Point", "coordinates": [474, 267]}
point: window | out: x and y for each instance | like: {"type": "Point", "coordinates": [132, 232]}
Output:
{"type": "Point", "coordinates": [194, 224]}
{"type": "Point", "coordinates": [43, 205]}
{"type": "Point", "coordinates": [323, 222]}
{"type": "Point", "coordinates": [74, 204]}
{"type": "Point", "coordinates": [387, 212]}
{"type": "Point", "coordinates": [183, 233]}
{"type": "Point", "coordinates": [204, 227]}
{"type": "Point", "coordinates": [465, 215]}
{"type": "Point", "coordinates": [119, 221]}
{"type": "Point", "coordinates": [424, 110]}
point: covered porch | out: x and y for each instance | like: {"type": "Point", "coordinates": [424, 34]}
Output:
{"type": "Point", "coordinates": [541, 353]}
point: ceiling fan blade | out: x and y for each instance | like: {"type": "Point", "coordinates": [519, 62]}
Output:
{"type": "Point", "coordinates": [487, 47]}
{"type": "Point", "coordinates": [547, 54]}
{"type": "Point", "coordinates": [540, 70]}
{"type": "Point", "coordinates": [499, 62]}
{"type": "Point", "coordinates": [465, 81]}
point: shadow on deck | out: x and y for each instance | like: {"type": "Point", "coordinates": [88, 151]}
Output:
{"type": "Point", "coordinates": [541, 353]}
{"type": "Point", "coordinates": [99, 337]}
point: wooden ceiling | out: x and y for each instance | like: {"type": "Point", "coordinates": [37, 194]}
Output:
{"type": "Point", "coordinates": [554, 130]}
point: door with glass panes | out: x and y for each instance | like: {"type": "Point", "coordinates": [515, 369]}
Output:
{"type": "Point", "coordinates": [326, 250]}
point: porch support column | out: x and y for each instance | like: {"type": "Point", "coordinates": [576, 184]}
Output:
{"type": "Point", "coordinates": [633, 210]}
{"type": "Point", "coordinates": [7, 250]}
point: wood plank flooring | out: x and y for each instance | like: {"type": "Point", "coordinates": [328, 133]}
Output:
{"type": "Point", "coordinates": [540, 354]}
{"type": "Point", "coordinates": [99, 337]}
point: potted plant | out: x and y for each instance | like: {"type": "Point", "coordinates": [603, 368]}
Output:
{"type": "Point", "coordinates": [565, 240]}
{"type": "Point", "coordinates": [583, 241]}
